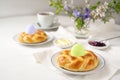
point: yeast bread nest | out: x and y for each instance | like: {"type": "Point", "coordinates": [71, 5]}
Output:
{"type": "Point", "coordinates": [82, 63]}
{"type": "Point", "coordinates": [38, 36]}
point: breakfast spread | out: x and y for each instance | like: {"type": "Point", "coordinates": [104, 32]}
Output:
{"type": "Point", "coordinates": [31, 35]}
{"type": "Point", "coordinates": [85, 62]}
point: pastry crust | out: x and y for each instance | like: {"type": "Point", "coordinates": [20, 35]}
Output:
{"type": "Point", "coordinates": [38, 36]}
{"type": "Point", "coordinates": [82, 63]}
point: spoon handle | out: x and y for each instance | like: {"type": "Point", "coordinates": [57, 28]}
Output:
{"type": "Point", "coordinates": [110, 38]}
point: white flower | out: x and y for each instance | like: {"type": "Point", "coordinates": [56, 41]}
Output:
{"type": "Point", "coordinates": [65, 2]}
{"type": "Point", "coordinates": [105, 3]}
{"type": "Point", "coordinates": [104, 9]}
{"type": "Point", "coordinates": [94, 14]}
{"type": "Point", "coordinates": [99, 9]}
{"type": "Point", "coordinates": [102, 14]}
{"type": "Point", "coordinates": [86, 1]}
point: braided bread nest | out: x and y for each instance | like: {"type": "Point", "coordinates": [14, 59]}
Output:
{"type": "Point", "coordinates": [38, 36]}
{"type": "Point", "coordinates": [82, 63]}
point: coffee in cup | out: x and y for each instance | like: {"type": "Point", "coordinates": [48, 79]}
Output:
{"type": "Point", "coordinates": [45, 19]}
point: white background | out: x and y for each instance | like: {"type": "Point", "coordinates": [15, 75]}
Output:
{"type": "Point", "coordinates": [10, 8]}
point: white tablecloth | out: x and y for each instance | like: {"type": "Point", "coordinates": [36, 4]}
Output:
{"type": "Point", "coordinates": [17, 61]}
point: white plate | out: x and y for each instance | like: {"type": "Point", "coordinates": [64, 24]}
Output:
{"type": "Point", "coordinates": [97, 69]}
{"type": "Point", "coordinates": [107, 44]}
{"type": "Point", "coordinates": [54, 26]}
{"type": "Point", "coordinates": [65, 45]}
{"type": "Point", "coordinates": [15, 38]}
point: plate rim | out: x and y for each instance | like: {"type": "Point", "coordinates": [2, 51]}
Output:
{"type": "Point", "coordinates": [50, 38]}
{"type": "Point", "coordinates": [53, 26]}
{"type": "Point", "coordinates": [79, 73]}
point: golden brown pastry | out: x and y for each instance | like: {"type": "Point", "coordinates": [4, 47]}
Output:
{"type": "Point", "coordinates": [38, 36]}
{"type": "Point", "coordinates": [82, 63]}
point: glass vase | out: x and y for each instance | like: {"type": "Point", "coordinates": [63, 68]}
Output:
{"type": "Point", "coordinates": [83, 32]}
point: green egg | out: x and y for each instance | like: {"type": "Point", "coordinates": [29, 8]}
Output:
{"type": "Point", "coordinates": [77, 50]}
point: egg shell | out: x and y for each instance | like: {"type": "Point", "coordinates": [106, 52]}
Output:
{"type": "Point", "coordinates": [77, 50]}
{"type": "Point", "coordinates": [30, 29]}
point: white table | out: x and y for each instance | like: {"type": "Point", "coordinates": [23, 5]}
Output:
{"type": "Point", "coordinates": [17, 61]}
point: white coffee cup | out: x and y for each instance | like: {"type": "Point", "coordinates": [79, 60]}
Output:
{"type": "Point", "coordinates": [45, 19]}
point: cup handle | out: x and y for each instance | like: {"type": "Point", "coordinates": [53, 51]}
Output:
{"type": "Point", "coordinates": [38, 24]}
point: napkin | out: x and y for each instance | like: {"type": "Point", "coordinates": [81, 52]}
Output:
{"type": "Point", "coordinates": [61, 32]}
{"type": "Point", "coordinates": [44, 58]}
{"type": "Point", "coordinates": [116, 76]}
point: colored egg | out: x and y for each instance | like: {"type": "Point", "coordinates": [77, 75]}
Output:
{"type": "Point", "coordinates": [30, 29]}
{"type": "Point", "coordinates": [77, 50]}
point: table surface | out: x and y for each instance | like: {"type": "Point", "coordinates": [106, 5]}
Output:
{"type": "Point", "coordinates": [17, 61]}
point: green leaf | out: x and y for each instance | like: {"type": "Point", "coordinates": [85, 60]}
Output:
{"type": "Point", "coordinates": [79, 23]}
{"type": "Point", "coordinates": [114, 1]}
{"type": "Point", "coordinates": [98, 3]}
{"type": "Point", "coordinates": [110, 5]}
{"type": "Point", "coordinates": [50, 4]}
{"type": "Point", "coordinates": [93, 7]}
{"type": "Point", "coordinates": [57, 4]}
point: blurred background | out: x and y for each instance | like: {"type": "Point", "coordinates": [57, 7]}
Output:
{"type": "Point", "coordinates": [11, 8]}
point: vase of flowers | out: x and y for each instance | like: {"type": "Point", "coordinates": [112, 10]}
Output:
{"type": "Point", "coordinates": [81, 20]}
{"type": "Point", "coordinates": [83, 15]}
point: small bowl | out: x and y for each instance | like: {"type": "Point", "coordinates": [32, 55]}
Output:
{"type": "Point", "coordinates": [64, 43]}
{"type": "Point", "coordinates": [105, 44]}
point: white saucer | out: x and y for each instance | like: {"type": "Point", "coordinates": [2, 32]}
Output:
{"type": "Point", "coordinates": [15, 38]}
{"type": "Point", "coordinates": [53, 26]}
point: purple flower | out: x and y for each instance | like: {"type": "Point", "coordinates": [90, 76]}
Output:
{"type": "Point", "coordinates": [76, 13]}
{"type": "Point", "coordinates": [86, 15]}
{"type": "Point", "coordinates": [67, 8]}
{"type": "Point", "coordinates": [86, 10]}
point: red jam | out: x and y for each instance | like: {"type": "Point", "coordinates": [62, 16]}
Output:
{"type": "Point", "coordinates": [97, 43]}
